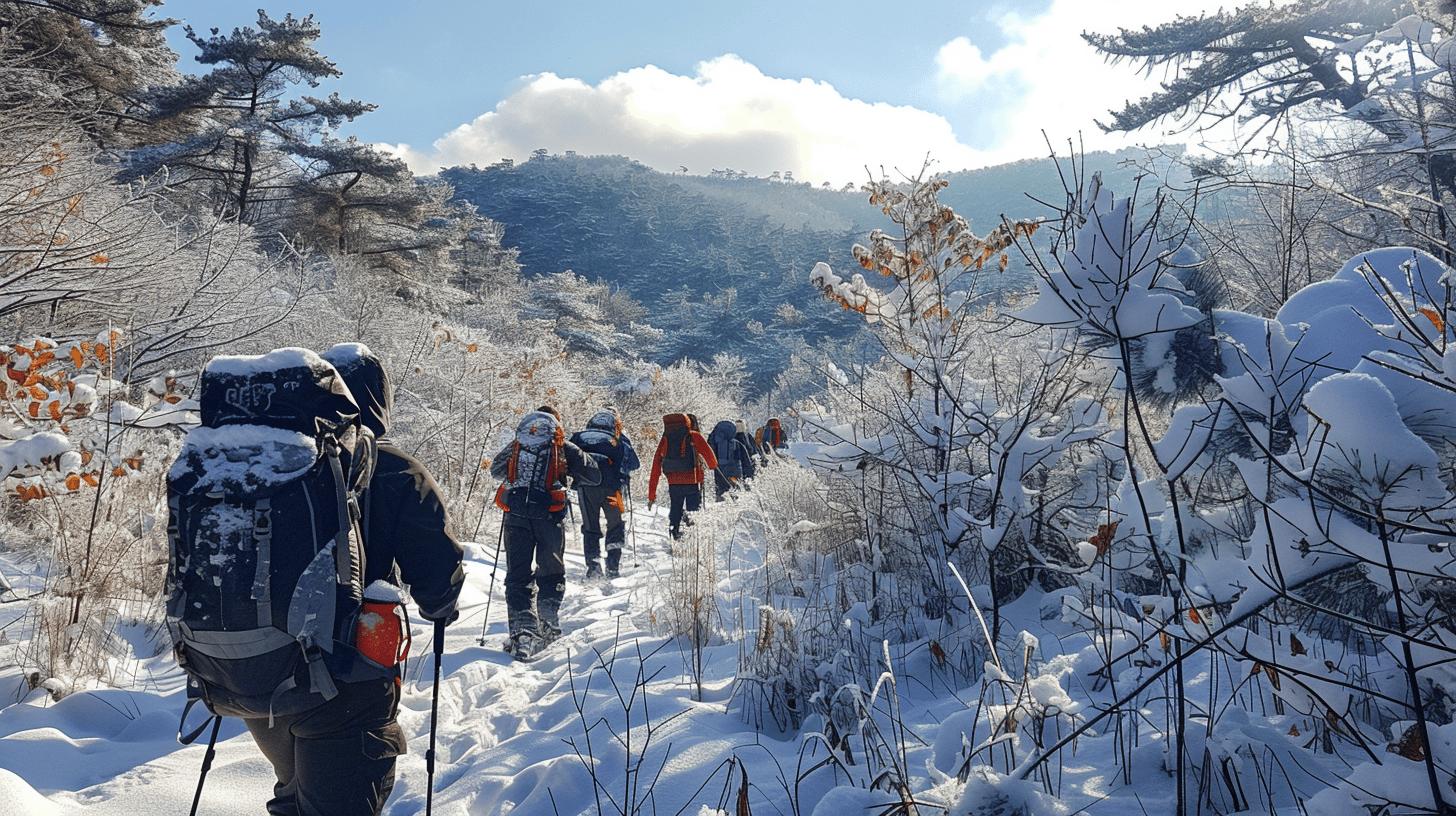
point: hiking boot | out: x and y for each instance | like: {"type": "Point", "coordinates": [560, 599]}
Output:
{"type": "Point", "coordinates": [593, 569]}
{"type": "Point", "coordinates": [549, 632]}
{"type": "Point", "coordinates": [525, 645]}
{"type": "Point", "coordinates": [614, 563]}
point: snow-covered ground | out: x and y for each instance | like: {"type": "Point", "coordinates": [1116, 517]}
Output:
{"type": "Point", "coordinates": [504, 727]}
{"type": "Point", "coordinates": [513, 737]}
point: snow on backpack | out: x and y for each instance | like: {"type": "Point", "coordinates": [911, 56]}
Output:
{"type": "Point", "coordinates": [535, 483]}
{"type": "Point", "coordinates": [265, 582]}
{"type": "Point", "coordinates": [678, 455]}
{"type": "Point", "coordinates": [602, 439]}
{"type": "Point", "coordinates": [724, 441]}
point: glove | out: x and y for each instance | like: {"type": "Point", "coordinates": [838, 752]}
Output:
{"type": "Point", "coordinates": [616, 501]}
{"type": "Point", "coordinates": [445, 620]}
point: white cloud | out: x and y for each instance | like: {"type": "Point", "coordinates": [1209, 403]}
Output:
{"type": "Point", "coordinates": [1045, 76]}
{"type": "Point", "coordinates": [727, 114]}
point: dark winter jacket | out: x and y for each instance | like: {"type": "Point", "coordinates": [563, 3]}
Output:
{"type": "Point", "coordinates": [750, 468]}
{"type": "Point", "coordinates": [734, 460]}
{"type": "Point", "coordinates": [604, 441]}
{"type": "Point", "coordinates": [702, 450]}
{"type": "Point", "coordinates": [577, 469]}
{"type": "Point", "coordinates": [406, 525]}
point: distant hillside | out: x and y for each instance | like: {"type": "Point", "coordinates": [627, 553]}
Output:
{"type": "Point", "coordinates": [721, 263]}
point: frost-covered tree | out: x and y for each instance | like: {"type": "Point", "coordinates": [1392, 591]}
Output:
{"type": "Point", "coordinates": [242, 119]}
{"type": "Point", "coordinates": [1270, 58]}
{"type": "Point", "coordinates": [92, 59]}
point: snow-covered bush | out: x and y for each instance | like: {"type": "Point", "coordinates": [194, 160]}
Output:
{"type": "Point", "coordinates": [964, 444]}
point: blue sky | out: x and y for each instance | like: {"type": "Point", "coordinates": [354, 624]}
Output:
{"type": "Point", "coordinates": [435, 65]}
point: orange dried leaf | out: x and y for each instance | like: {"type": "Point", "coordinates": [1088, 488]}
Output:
{"type": "Point", "coordinates": [77, 358]}
{"type": "Point", "coordinates": [91, 478]}
{"type": "Point", "coordinates": [100, 259]}
{"type": "Point", "coordinates": [54, 408]}
{"type": "Point", "coordinates": [1433, 316]}
{"type": "Point", "coordinates": [73, 482]}
{"type": "Point", "coordinates": [1194, 616]}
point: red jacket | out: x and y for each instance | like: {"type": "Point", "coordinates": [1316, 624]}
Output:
{"type": "Point", "coordinates": [695, 476]}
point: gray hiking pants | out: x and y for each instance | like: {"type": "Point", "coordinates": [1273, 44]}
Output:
{"type": "Point", "coordinates": [338, 759]}
{"type": "Point", "coordinates": [595, 505]}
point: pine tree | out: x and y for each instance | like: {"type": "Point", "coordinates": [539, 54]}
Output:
{"type": "Point", "coordinates": [93, 58]}
{"type": "Point", "coordinates": [1273, 58]}
{"type": "Point", "coordinates": [242, 124]}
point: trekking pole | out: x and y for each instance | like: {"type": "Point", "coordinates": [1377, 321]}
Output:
{"type": "Point", "coordinates": [206, 763]}
{"type": "Point", "coordinates": [632, 524]}
{"type": "Point", "coordinates": [434, 717]}
{"type": "Point", "coordinates": [490, 588]}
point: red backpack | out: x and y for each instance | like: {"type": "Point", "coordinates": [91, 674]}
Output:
{"type": "Point", "coordinates": [678, 453]}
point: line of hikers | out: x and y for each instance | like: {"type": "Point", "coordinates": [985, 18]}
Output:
{"type": "Point", "coordinates": [295, 527]}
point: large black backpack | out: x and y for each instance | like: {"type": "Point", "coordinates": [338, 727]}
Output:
{"type": "Point", "coordinates": [265, 582]}
{"type": "Point", "coordinates": [724, 440]}
{"type": "Point", "coordinates": [601, 439]}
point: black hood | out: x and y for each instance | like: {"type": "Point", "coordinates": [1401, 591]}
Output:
{"type": "Point", "coordinates": [364, 374]}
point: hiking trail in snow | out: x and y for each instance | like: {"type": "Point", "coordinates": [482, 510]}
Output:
{"type": "Point", "coordinates": [504, 726]}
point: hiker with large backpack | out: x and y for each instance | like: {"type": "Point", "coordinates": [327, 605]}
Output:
{"type": "Point", "coordinates": [773, 437]}
{"type": "Point", "coordinates": [535, 470]}
{"type": "Point", "coordinates": [604, 441]}
{"type": "Point", "coordinates": [678, 455]}
{"type": "Point", "coordinates": [284, 611]}
{"type": "Point", "coordinates": [734, 460]}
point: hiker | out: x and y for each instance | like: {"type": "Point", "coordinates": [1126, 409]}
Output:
{"type": "Point", "coordinates": [677, 456]}
{"type": "Point", "coordinates": [734, 460]}
{"type": "Point", "coordinates": [604, 441]}
{"type": "Point", "coordinates": [773, 436]}
{"type": "Point", "coordinates": [304, 642]}
{"type": "Point", "coordinates": [750, 468]}
{"type": "Point", "coordinates": [535, 471]}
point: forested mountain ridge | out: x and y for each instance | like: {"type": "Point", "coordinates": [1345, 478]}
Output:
{"type": "Point", "coordinates": [721, 262]}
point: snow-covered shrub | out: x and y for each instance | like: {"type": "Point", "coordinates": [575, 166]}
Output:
{"type": "Point", "coordinates": [1295, 501]}
{"type": "Point", "coordinates": [81, 457]}
{"type": "Point", "coordinates": [963, 444]}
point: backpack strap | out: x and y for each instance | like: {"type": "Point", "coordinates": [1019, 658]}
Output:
{"type": "Point", "coordinates": [263, 565]}
{"type": "Point", "coordinates": [344, 565]}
